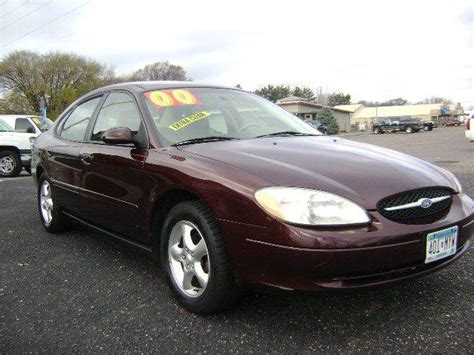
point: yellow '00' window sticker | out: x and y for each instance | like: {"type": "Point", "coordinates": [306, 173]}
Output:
{"type": "Point", "coordinates": [188, 120]}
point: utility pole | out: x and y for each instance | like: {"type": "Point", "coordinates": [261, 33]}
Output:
{"type": "Point", "coordinates": [43, 105]}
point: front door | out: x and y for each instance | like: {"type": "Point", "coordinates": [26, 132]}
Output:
{"type": "Point", "coordinates": [112, 185]}
{"type": "Point", "coordinates": [65, 166]}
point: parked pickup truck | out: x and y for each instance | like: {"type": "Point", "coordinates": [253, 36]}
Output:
{"type": "Point", "coordinates": [428, 125]}
{"type": "Point", "coordinates": [17, 133]}
{"type": "Point", "coordinates": [397, 124]}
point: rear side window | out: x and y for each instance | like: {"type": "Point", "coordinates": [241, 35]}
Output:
{"type": "Point", "coordinates": [22, 125]}
{"type": "Point", "coordinates": [74, 129]}
{"type": "Point", "coordinates": [118, 110]}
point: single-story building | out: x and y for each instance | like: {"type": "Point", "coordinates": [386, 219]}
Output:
{"type": "Point", "coordinates": [307, 110]}
{"type": "Point", "coordinates": [361, 115]}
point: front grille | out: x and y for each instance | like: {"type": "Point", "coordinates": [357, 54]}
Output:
{"type": "Point", "coordinates": [416, 215]}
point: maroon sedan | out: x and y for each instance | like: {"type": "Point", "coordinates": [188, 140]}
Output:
{"type": "Point", "coordinates": [231, 191]}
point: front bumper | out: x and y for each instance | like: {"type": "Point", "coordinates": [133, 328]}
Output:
{"type": "Point", "coordinates": [25, 155]}
{"type": "Point", "coordinates": [338, 259]}
{"type": "Point", "coordinates": [470, 135]}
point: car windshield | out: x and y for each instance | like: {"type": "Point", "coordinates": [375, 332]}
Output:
{"type": "Point", "coordinates": [189, 115]}
{"type": "Point", "coordinates": [42, 126]}
{"type": "Point", "coordinates": [5, 127]}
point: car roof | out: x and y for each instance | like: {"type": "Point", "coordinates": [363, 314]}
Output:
{"type": "Point", "coordinates": [142, 86]}
{"type": "Point", "coordinates": [10, 119]}
{"type": "Point", "coordinates": [17, 116]}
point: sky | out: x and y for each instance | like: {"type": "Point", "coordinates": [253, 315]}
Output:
{"type": "Point", "coordinates": [373, 50]}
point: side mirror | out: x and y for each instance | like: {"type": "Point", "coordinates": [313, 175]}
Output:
{"type": "Point", "coordinates": [30, 130]}
{"type": "Point", "coordinates": [121, 135]}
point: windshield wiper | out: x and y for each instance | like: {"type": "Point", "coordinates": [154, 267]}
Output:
{"type": "Point", "coordinates": [286, 133]}
{"type": "Point", "coordinates": [203, 140]}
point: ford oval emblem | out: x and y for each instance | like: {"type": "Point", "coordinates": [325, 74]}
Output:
{"type": "Point", "coordinates": [426, 203]}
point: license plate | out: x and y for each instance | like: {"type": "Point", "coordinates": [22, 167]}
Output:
{"type": "Point", "coordinates": [441, 244]}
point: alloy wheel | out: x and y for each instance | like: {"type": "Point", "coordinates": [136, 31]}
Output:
{"type": "Point", "coordinates": [46, 202]}
{"type": "Point", "coordinates": [7, 164]}
{"type": "Point", "coordinates": [188, 258]}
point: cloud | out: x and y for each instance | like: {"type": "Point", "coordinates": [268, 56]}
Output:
{"type": "Point", "coordinates": [373, 50]}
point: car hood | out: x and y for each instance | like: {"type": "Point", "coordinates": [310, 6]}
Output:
{"type": "Point", "coordinates": [361, 172]}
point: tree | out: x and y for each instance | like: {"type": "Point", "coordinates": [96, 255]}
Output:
{"type": "Point", "coordinates": [13, 102]}
{"type": "Point", "coordinates": [326, 117]}
{"type": "Point", "coordinates": [26, 75]}
{"type": "Point", "coordinates": [304, 92]}
{"type": "Point", "coordinates": [436, 100]}
{"type": "Point", "coordinates": [238, 86]}
{"type": "Point", "coordinates": [335, 99]}
{"type": "Point", "coordinates": [161, 71]}
{"type": "Point", "coordinates": [274, 93]}
{"type": "Point", "coordinates": [393, 102]}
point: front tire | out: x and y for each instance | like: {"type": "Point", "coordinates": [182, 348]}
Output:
{"type": "Point", "coordinates": [10, 163]}
{"type": "Point", "coordinates": [195, 260]}
{"type": "Point", "coordinates": [409, 129]}
{"type": "Point", "coordinates": [51, 216]}
{"type": "Point", "coordinates": [377, 130]}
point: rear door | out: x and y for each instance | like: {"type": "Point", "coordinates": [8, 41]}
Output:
{"type": "Point", "coordinates": [112, 184]}
{"type": "Point", "coordinates": [64, 163]}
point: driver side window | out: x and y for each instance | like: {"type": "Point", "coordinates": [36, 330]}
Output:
{"type": "Point", "coordinates": [118, 110]}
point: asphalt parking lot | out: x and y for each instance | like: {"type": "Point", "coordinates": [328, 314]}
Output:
{"type": "Point", "coordinates": [81, 291]}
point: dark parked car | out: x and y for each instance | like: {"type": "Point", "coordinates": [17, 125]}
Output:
{"type": "Point", "coordinates": [231, 191]}
{"type": "Point", "coordinates": [318, 125]}
{"type": "Point", "coordinates": [397, 124]}
{"type": "Point", "coordinates": [449, 122]}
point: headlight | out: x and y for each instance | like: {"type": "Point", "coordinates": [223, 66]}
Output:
{"type": "Point", "coordinates": [310, 207]}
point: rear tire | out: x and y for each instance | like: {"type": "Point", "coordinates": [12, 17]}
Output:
{"type": "Point", "coordinates": [409, 129]}
{"type": "Point", "coordinates": [195, 260]}
{"type": "Point", "coordinates": [377, 130]}
{"type": "Point", "coordinates": [10, 163]}
{"type": "Point", "coordinates": [51, 216]}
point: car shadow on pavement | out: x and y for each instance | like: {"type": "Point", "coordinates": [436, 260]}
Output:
{"type": "Point", "coordinates": [374, 307]}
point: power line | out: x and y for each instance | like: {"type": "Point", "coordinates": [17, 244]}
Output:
{"type": "Point", "coordinates": [55, 39]}
{"type": "Point", "coordinates": [44, 25]}
{"type": "Point", "coordinates": [22, 17]}
{"type": "Point", "coordinates": [9, 12]}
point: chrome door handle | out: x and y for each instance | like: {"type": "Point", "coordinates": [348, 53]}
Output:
{"type": "Point", "coordinates": [86, 159]}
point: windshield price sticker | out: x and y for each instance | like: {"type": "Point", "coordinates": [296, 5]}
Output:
{"type": "Point", "coordinates": [188, 120]}
{"type": "Point", "coordinates": [177, 97]}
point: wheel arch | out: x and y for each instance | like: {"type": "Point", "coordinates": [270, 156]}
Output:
{"type": "Point", "coordinates": [163, 205]}
{"type": "Point", "coordinates": [9, 147]}
{"type": "Point", "coordinates": [39, 171]}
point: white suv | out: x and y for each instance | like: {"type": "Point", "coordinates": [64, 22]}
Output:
{"type": "Point", "coordinates": [470, 128]}
{"type": "Point", "coordinates": [17, 133]}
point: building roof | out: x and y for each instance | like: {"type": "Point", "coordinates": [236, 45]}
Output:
{"type": "Point", "coordinates": [292, 98]}
{"type": "Point", "coordinates": [404, 110]}
{"type": "Point", "coordinates": [350, 108]}
{"type": "Point", "coordinates": [308, 104]}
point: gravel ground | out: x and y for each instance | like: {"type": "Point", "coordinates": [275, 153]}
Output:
{"type": "Point", "coordinates": [83, 292]}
